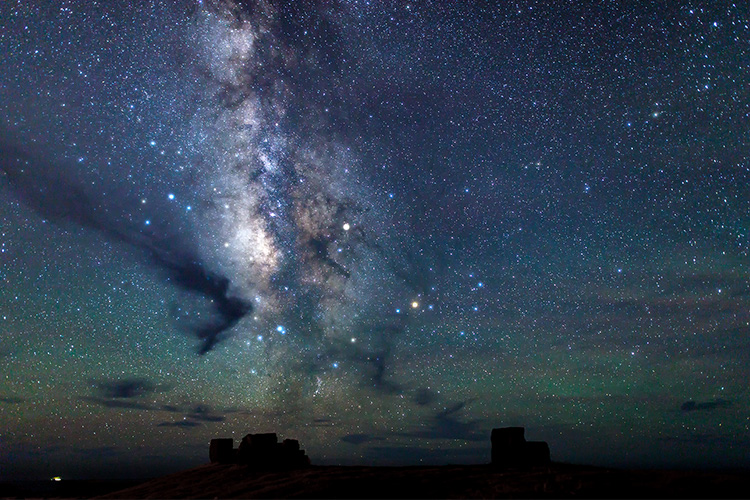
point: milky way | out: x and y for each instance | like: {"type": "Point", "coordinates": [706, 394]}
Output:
{"type": "Point", "coordinates": [384, 228]}
{"type": "Point", "coordinates": [281, 226]}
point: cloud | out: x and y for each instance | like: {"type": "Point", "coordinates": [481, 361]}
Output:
{"type": "Point", "coordinates": [424, 396]}
{"type": "Point", "coordinates": [53, 191]}
{"type": "Point", "coordinates": [357, 439]}
{"type": "Point", "coordinates": [180, 423]}
{"type": "Point", "coordinates": [189, 274]}
{"type": "Point", "coordinates": [118, 403]}
{"type": "Point", "coordinates": [204, 414]}
{"type": "Point", "coordinates": [125, 393]}
{"type": "Point", "coordinates": [193, 417]}
{"type": "Point", "coordinates": [129, 393]}
{"type": "Point", "coordinates": [375, 360]}
{"type": "Point", "coordinates": [444, 425]}
{"type": "Point", "coordinates": [378, 363]}
{"type": "Point", "coordinates": [689, 406]}
{"type": "Point", "coordinates": [126, 389]}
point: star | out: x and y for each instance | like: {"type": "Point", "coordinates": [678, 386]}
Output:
{"type": "Point", "coordinates": [295, 214]}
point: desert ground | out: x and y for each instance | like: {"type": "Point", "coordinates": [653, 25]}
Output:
{"type": "Point", "coordinates": [449, 481]}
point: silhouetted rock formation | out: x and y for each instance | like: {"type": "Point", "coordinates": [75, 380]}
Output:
{"type": "Point", "coordinates": [261, 451]}
{"type": "Point", "coordinates": [222, 451]}
{"type": "Point", "coordinates": [510, 448]}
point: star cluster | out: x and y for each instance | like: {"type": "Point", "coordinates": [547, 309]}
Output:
{"type": "Point", "coordinates": [382, 227]}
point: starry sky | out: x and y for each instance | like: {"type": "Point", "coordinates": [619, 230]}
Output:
{"type": "Point", "coordinates": [381, 228]}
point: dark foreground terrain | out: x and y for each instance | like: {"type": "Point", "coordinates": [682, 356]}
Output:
{"type": "Point", "coordinates": [450, 481]}
{"type": "Point", "coordinates": [63, 489]}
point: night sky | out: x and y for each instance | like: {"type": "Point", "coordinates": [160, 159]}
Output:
{"type": "Point", "coordinates": [381, 228]}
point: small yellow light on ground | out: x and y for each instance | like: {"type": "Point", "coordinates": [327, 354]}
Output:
{"type": "Point", "coordinates": [414, 304]}
{"type": "Point", "coordinates": [346, 226]}
{"type": "Point", "coordinates": [57, 478]}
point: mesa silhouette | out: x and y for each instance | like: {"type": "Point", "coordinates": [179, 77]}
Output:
{"type": "Point", "coordinates": [263, 467]}
{"type": "Point", "coordinates": [259, 451]}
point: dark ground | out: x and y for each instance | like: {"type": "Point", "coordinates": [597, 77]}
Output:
{"type": "Point", "coordinates": [63, 489]}
{"type": "Point", "coordinates": [449, 481]}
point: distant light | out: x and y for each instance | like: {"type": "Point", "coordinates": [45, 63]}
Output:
{"type": "Point", "coordinates": [57, 478]}
{"type": "Point", "coordinates": [346, 226]}
{"type": "Point", "coordinates": [414, 304]}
